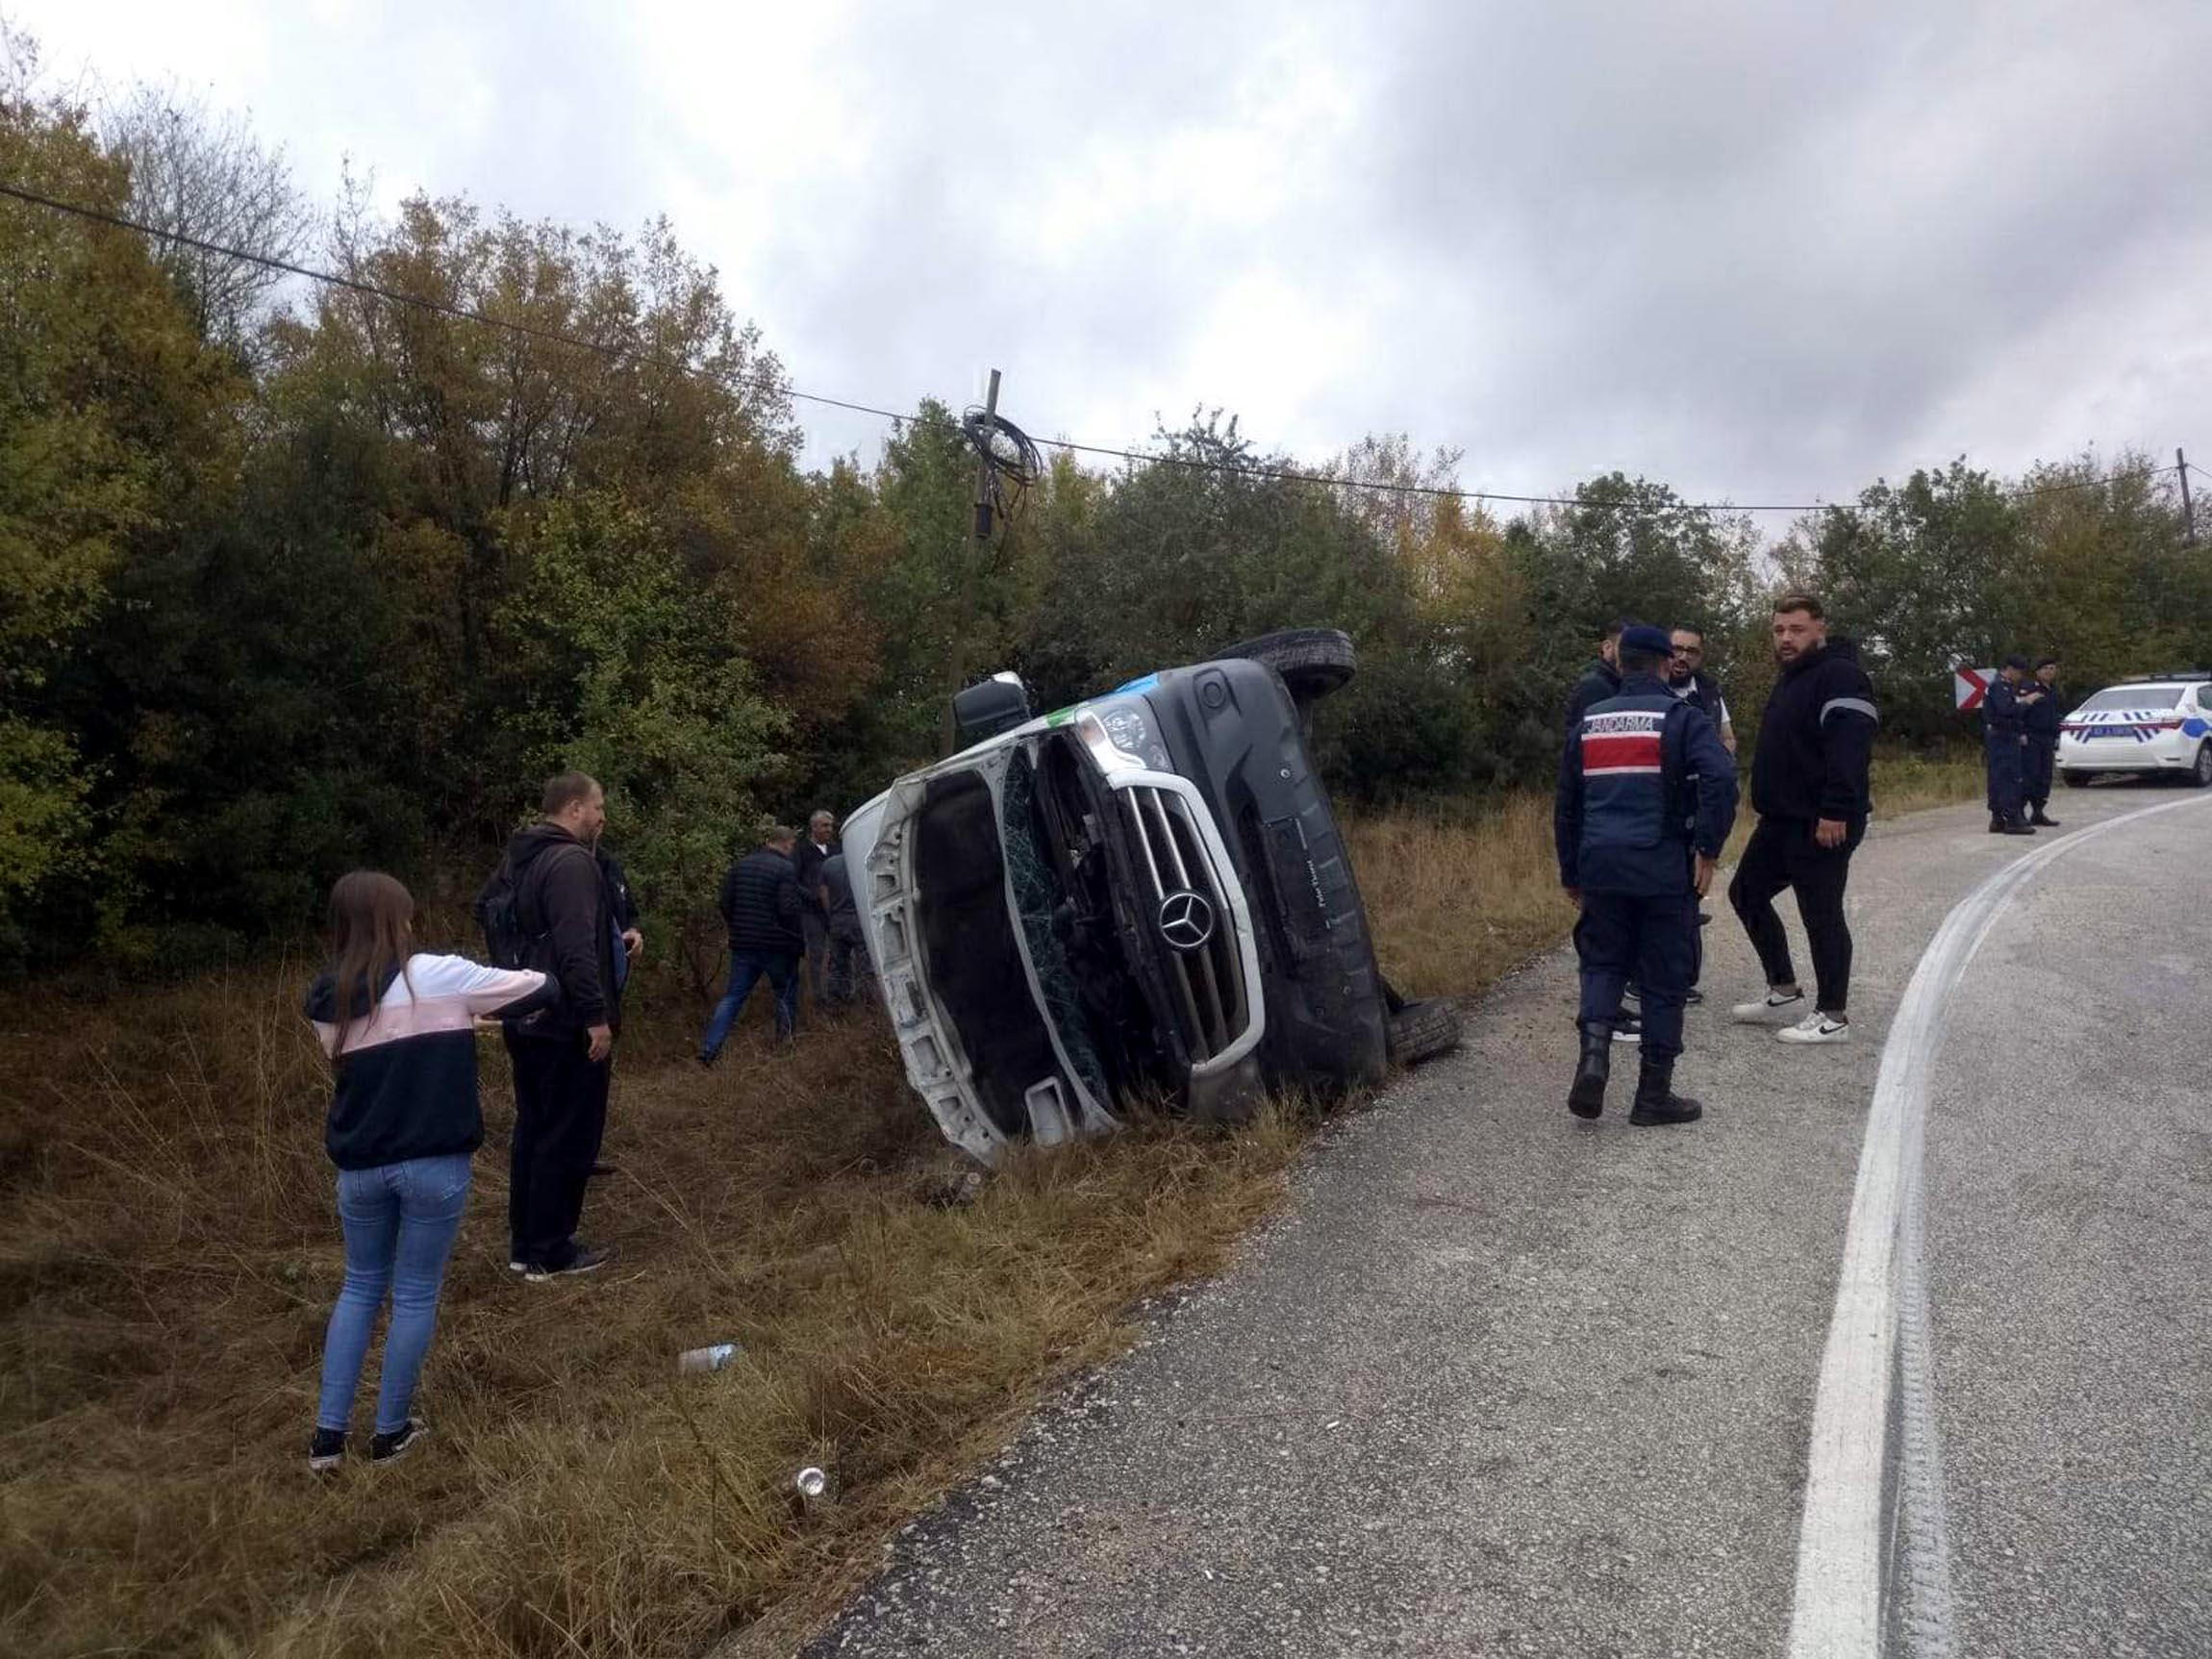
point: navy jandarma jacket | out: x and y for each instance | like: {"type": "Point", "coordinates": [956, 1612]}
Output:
{"type": "Point", "coordinates": [1644, 780]}
{"type": "Point", "coordinates": [2003, 714]}
{"type": "Point", "coordinates": [2040, 718]}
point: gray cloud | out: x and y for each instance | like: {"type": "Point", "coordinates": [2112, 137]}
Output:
{"type": "Point", "coordinates": [1746, 248]}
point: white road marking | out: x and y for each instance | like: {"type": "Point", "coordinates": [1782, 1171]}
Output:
{"type": "Point", "coordinates": [1880, 1325]}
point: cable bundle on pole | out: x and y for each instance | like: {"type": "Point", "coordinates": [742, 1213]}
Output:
{"type": "Point", "coordinates": [1006, 464]}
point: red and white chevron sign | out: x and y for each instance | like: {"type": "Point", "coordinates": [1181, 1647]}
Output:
{"type": "Point", "coordinates": [1969, 686]}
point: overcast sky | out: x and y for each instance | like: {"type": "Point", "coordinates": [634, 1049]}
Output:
{"type": "Point", "coordinates": [1758, 253]}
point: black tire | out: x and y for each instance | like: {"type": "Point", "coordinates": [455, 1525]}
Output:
{"type": "Point", "coordinates": [2074, 778]}
{"type": "Point", "coordinates": [1313, 662]}
{"type": "Point", "coordinates": [2201, 775]}
{"type": "Point", "coordinates": [1423, 1030]}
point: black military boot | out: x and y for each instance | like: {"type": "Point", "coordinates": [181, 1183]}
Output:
{"type": "Point", "coordinates": [1655, 1102]}
{"type": "Point", "coordinates": [2041, 819]}
{"type": "Point", "coordinates": [1586, 1097]}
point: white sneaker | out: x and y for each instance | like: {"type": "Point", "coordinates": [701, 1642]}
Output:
{"type": "Point", "coordinates": [1817, 1028]}
{"type": "Point", "coordinates": [1771, 1007]}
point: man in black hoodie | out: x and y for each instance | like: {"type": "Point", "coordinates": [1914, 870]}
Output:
{"type": "Point", "coordinates": [1809, 786]}
{"type": "Point", "coordinates": [563, 1056]}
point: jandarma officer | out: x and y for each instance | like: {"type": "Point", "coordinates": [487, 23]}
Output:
{"type": "Point", "coordinates": [1637, 857]}
{"type": "Point", "coordinates": [2004, 726]}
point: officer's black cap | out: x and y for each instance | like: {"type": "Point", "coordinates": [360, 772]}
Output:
{"type": "Point", "coordinates": [2016, 661]}
{"type": "Point", "coordinates": [1645, 637]}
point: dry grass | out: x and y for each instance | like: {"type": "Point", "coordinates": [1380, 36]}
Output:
{"type": "Point", "coordinates": [1909, 782]}
{"type": "Point", "coordinates": [168, 1255]}
{"type": "Point", "coordinates": [1457, 900]}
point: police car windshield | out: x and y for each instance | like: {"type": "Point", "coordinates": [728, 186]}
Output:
{"type": "Point", "coordinates": [2136, 698]}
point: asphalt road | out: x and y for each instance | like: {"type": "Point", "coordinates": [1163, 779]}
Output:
{"type": "Point", "coordinates": [1500, 1382]}
{"type": "Point", "coordinates": [2069, 1242]}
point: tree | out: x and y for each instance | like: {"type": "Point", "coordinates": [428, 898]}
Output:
{"type": "Point", "coordinates": [2109, 586]}
{"type": "Point", "coordinates": [1209, 544]}
{"type": "Point", "coordinates": [201, 174]}
{"type": "Point", "coordinates": [633, 681]}
{"type": "Point", "coordinates": [1926, 575]}
{"type": "Point", "coordinates": [627, 376]}
{"type": "Point", "coordinates": [113, 428]}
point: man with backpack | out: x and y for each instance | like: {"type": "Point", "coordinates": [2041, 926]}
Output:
{"type": "Point", "coordinates": [547, 907]}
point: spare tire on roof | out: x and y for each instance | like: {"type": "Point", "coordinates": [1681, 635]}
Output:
{"type": "Point", "coordinates": [1313, 662]}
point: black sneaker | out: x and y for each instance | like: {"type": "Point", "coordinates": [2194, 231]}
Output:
{"type": "Point", "coordinates": [326, 1450]}
{"type": "Point", "coordinates": [399, 1443]}
{"type": "Point", "coordinates": [1627, 1028]}
{"type": "Point", "coordinates": [585, 1259]}
{"type": "Point", "coordinates": [1692, 997]}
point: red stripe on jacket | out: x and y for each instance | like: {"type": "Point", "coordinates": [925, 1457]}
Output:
{"type": "Point", "coordinates": [1629, 751]}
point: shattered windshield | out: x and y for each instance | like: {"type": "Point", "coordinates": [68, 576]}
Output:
{"type": "Point", "coordinates": [1031, 873]}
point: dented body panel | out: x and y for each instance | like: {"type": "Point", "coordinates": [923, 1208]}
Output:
{"type": "Point", "coordinates": [1141, 895]}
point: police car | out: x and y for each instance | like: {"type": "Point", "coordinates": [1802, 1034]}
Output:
{"type": "Point", "coordinates": [2141, 726]}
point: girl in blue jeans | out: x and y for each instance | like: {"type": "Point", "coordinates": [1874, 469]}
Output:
{"type": "Point", "coordinates": [404, 1122]}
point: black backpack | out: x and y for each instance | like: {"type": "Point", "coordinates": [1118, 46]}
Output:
{"type": "Point", "coordinates": [507, 942]}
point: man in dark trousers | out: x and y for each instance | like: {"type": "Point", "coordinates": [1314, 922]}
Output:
{"type": "Point", "coordinates": [814, 922]}
{"type": "Point", "coordinates": [846, 943]}
{"type": "Point", "coordinates": [1809, 786]}
{"type": "Point", "coordinates": [1601, 679]}
{"type": "Point", "coordinates": [1688, 679]}
{"type": "Point", "coordinates": [2042, 709]}
{"type": "Point", "coordinates": [1637, 861]}
{"type": "Point", "coordinates": [564, 1055]}
{"type": "Point", "coordinates": [761, 903]}
{"type": "Point", "coordinates": [2003, 719]}
{"type": "Point", "coordinates": [629, 940]}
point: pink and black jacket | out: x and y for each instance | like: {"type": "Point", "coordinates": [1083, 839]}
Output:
{"type": "Point", "coordinates": [406, 1084]}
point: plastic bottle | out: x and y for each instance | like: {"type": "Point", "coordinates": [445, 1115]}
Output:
{"type": "Point", "coordinates": [707, 1359]}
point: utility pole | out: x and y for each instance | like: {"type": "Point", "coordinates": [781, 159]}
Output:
{"type": "Point", "coordinates": [983, 468]}
{"type": "Point", "coordinates": [980, 544]}
{"type": "Point", "coordinates": [2188, 510]}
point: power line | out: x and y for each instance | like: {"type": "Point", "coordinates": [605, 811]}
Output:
{"type": "Point", "coordinates": [773, 384]}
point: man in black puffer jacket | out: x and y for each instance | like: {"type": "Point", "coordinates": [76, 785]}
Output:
{"type": "Point", "coordinates": [761, 903]}
{"type": "Point", "coordinates": [1809, 786]}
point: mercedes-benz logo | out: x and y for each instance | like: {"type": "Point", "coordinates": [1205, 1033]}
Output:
{"type": "Point", "coordinates": [1185, 921]}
